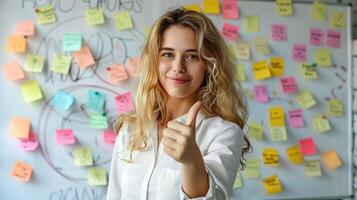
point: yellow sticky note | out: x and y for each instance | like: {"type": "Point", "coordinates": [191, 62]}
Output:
{"type": "Point", "coordinates": [318, 11]}
{"type": "Point", "coordinates": [261, 45]}
{"type": "Point", "coordinates": [320, 124]}
{"type": "Point", "coordinates": [338, 20]}
{"type": "Point", "coordinates": [211, 6]}
{"type": "Point", "coordinates": [194, 7]}
{"type": "Point", "coordinates": [278, 133]}
{"type": "Point", "coordinates": [240, 72]}
{"type": "Point", "coordinates": [294, 155]}
{"type": "Point", "coordinates": [34, 63]}
{"type": "Point", "coordinates": [147, 31]}
{"type": "Point", "coordinates": [83, 157]}
{"type": "Point", "coordinates": [309, 71]}
{"type": "Point", "coordinates": [255, 130]}
{"type": "Point", "coordinates": [283, 7]}
{"type": "Point", "coordinates": [271, 157]}
{"type": "Point", "coordinates": [335, 107]}
{"type": "Point", "coordinates": [238, 181]}
{"type": "Point", "coordinates": [31, 91]}
{"type": "Point", "coordinates": [277, 66]}
{"type": "Point", "coordinates": [305, 99]}
{"type": "Point", "coordinates": [331, 159]}
{"type": "Point", "coordinates": [323, 57]}
{"type": "Point", "coordinates": [94, 16]}
{"type": "Point", "coordinates": [46, 15]}
{"type": "Point", "coordinates": [313, 168]}
{"type": "Point", "coordinates": [272, 184]}
{"type": "Point", "coordinates": [243, 51]}
{"type": "Point", "coordinates": [97, 176]}
{"type": "Point", "coordinates": [61, 64]}
{"type": "Point", "coordinates": [252, 169]}
{"type": "Point", "coordinates": [276, 116]}
{"type": "Point", "coordinates": [261, 70]}
{"type": "Point", "coordinates": [122, 20]}
{"type": "Point", "coordinates": [232, 50]}
{"type": "Point", "coordinates": [16, 44]}
{"type": "Point", "coordinates": [251, 24]}
{"type": "Point", "coordinates": [20, 127]}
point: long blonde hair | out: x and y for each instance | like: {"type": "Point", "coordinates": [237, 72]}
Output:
{"type": "Point", "coordinates": [220, 94]}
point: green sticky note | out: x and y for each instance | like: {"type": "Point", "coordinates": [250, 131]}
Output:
{"type": "Point", "coordinates": [278, 133]}
{"type": "Point", "coordinates": [251, 24]}
{"type": "Point", "coordinates": [252, 169]}
{"type": "Point", "coordinates": [34, 63]}
{"type": "Point", "coordinates": [31, 91]}
{"type": "Point", "coordinates": [72, 42]}
{"type": "Point", "coordinates": [312, 168]}
{"type": "Point", "coordinates": [255, 130]}
{"type": "Point", "coordinates": [45, 15]}
{"type": "Point", "coordinates": [323, 57]}
{"type": "Point", "coordinates": [122, 20]}
{"type": "Point", "coordinates": [94, 17]}
{"type": "Point", "coordinates": [238, 181]}
{"type": "Point", "coordinates": [83, 157]}
{"type": "Point", "coordinates": [240, 72]}
{"type": "Point", "coordinates": [99, 121]}
{"type": "Point", "coordinates": [61, 64]}
{"type": "Point", "coordinates": [97, 176]}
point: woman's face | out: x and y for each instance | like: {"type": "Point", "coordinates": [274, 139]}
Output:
{"type": "Point", "coordinates": [181, 72]}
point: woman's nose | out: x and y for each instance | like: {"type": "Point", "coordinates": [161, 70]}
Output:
{"type": "Point", "coordinates": [178, 65]}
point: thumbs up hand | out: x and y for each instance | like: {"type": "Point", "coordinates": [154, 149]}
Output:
{"type": "Point", "coordinates": [179, 139]}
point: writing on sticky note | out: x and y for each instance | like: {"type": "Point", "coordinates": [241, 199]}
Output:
{"type": "Point", "coordinates": [276, 116]}
{"type": "Point", "coordinates": [270, 157]}
{"type": "Point", "coordinates": [277, 66]}
{"type": "Point", "coordinates": [16, 44]}
{"type": "Point", "coordinates": [272, 185]}
{"type": "Point", "coordinates": [288, 85]}
{"type": "Point", "coordinates": [305, 99]}
{"type": "Point", "coordinates": [94, 16]}
{"type": "Point", "coordinates": [116, 73]}
{"type": "Point", "coordinates": [323, 57]}
{"type": "Point", "coordinates": [99, 121]}
{"type": "Point", "coordinates": [13, 71]}
{"type": "Point", "coordinates": [31, 91]}
{"type": "Point", "coordinates": [307, 146]}
{"type": "Point", "coordinates": [62, 100]}
{"type": "Point", "coordinates": [333, 39]}
{"type": "Point", "coordinates": [316, 37]}
{"type": "Point", "coordinates": [283, 7]}
{"type": "Point", "coordinates": [252, 169]}
{"type": "Point", "coordinates": [122, 21]}
{"type": "Point", "coordinates": [46, 15]}
{"type": "Point", "coordinates": [299, 53]}
{"type": "Point", "coordinates": [313, 168]}
{"type": "Point", "coordinates": [21, 171]}
{"type": "Point", "coordinates": [318, 11]}
{"type": "Point", "coordinates": [34, 63]}
{"type": "Point", "coordinates": [193, 7]}
{"type": "Point", "coordinates": [296, 118]}
{"type": "Point", "coordinates": [261, 45]}
{"type": "Point", "coordinates": [84, 57]}
{"type": "Point", "coordinates": [25, 28]}
{"type": "Point", "coordinates": [238, 181]}
{"type": "Point", "coordinates": [243, 51]}
{"type": "Point", "coordinates": [278, 32]}
{"type": "Point", "coordinates": [230, 31]}
{"type": "Point", "coordinates": [278, 133]}
{"type": "Point", "coordinates": [29, 144]}
{"type": "Point", "coordinates": [65, 136]}
{"type": "Point", "coordinates": [294, 155]}
{"type": "Point", "coordinates": [251, 24]}
{"type": "Point", "coordinates": [337, 20]}
{"type": "Point", "coordinates": [109, 137]}
{"type": "Point", "coordinates": [261, 93]}
{"type": "Point", "coordinates": [72, 42]}
{"type": "Point", "coordinates": [232, 50]}
{"type": "Point", "coordinates": [124, 102]}
{"type": "Point", "coordinates": [335, 107]}
{"type": "Point", "coordinates": [97, 176]}
{"type": "Point", "coordinates": [20, 127]}
{"type": "Point", "coordinates": [261, 70]}
{"type": "Point", "coordinates": [61, 64]}
{"type": "Point", "coordinates": [211, 6]}
{"type": "Point", "coordinates": [309, 71]}
{"type": "Point", "coordinates": [133, 66]}
{"type": "Point", "coordinates": [83, 156]}
{"type": "Point", "coordinates": [320, 124]}
{"type": "Point", "coordinates": [95, 100]}
{"type": "Point", "coordinates": [331, 159]}
{"type": "Point", "coordinates": [240, 72]}
{"type": "Point", "coordinates": [230, 9]}
{"type": "Point", "coordinates": [255, 130]}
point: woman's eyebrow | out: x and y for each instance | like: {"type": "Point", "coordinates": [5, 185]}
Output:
{"type": "Point", "coordinates": [171, 49]}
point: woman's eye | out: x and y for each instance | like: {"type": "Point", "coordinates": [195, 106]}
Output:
{"type": "Point", "coordinates": [192, 57]}
{"type": "Point", "coordinates": [167, 55]}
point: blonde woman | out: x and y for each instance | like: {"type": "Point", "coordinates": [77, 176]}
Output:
{"type": "Point", "coordinates": [185, 139]}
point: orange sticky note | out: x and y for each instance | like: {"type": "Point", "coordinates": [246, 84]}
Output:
{"type": "Point", "coordinates": [21, 171]}
{"type": "Point", "coordinates": [16, 44]}
{"type": "Point", "coordinates": [84, 57]}
{"type": "Point", "coordinates": [20, 127]}
{"type": "Point", "coordinates": [13, 71]}
{"type": "Point", "coordinates": [331, 159]}
{"type": "Point", "coordinates": [117, 73]}
{"type": "Point", "coordinates": [25, 28]}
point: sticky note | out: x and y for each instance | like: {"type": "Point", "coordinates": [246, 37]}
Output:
{"type": "Point", "coordinates": [25, 28]}
{"type": "Point", "coordinates": [84, 57]}
{"type": "Point", "coordinates": [305, 99]}
{"type": "Point", "coordinates": [97, 176]}
{"type": "Point", "coordinates": [278, 32]}
{"type": "Point", "coordinates": [255, 130]}
{"type": "Point", "coordinates": [99, 121]}
{"type": "Point", "coordinates": [307, 146]}
{"type": "Point", "coordinates": [299, 53]}
{"type": "Point", "coordinates": [331, 159]}
{"type": "Point", "coordinates": [116, 73]}
{"type": "Point", "coordinates": [94, 16]}
{"type": "Point", "coordinates": [261, 93]}
{"type": "Point", "coordinates": [147, 31]}
{"type": "Point", "coordinates": [240, 72]}
{"type": "Point", "coordinates": [251, 24]}
{"type": "Point", "coordinates": [230, 9]}
{"type": "Point", "coordinates": [83, 156]}
{"type": "Point", "coordinates": [296, 118]}
{"type": "Point", "coordinates": [288, 85]}
{"type": "Point", "coordinates": [230, 31]}
{"type": "Point", "coordinates": [316, 37]}
{"type": "Point", "coordinates": [277, 66]}
{"type": "Point", "coordinates": [333, 39]}
{"type": "Point", "coordinates": [122, 20]}
{"type": "Point", "coordinates": [252, 169]}
{"type": "Point", "coordinates": [261, 45]}
{"type": "Point", "coordinates": [318, 11]}
{"type": "Point", "coordinates": [21, 171]}
{"type": "Point", "coordinates": [16, 44]}
{"type": "Point", "coordinates": [337, 20]}
{"type": "Point", "coordinates": [31, 91]}
{"type": "Point", "coordinates": [46, 15]}
{"type": "Point", "coordinates": [294, 155]}
{"type": "Point", "coordinates": [238, 181]}
{"type": "Point", "coordinates": [272, 185]}
{"type": "Point", "coordinates": [270, 157]}
{"type": "Point", "coordinates": [34, 63]}
{"type": "Point", "coordinates": [313, 168]}
{"type": "Point", "coordinates": [109, 137]}
{"type": "Point", "coordinates": [72, 42]}
{"type": "Point", "coordinates": [65, 136]}
{"type": "Point", "coordinates": [283, 7]}
{"type": "Point", "coordinates": [133, 66]}
{"type": "Point", "coordinates": [95, 100]}
{"type": "Point", "coordinates": [13, 71]}
{"type": "Point", "coordinates": [261, 70]}
{"type": "Point", "coordinates": [243, 51]}
{"type": "Point", "coordinates": [335, 107]}
{"type": "Point", "coordinates": [320, 124]}
{"type": "Point", "coordinates": [309, 71]}
{"type": "Point", "coordinates": [61, 64]}
{"type": "Point", "coordinates": [232, 50]}
{"type": "Point", "coordinates": [62, 100]}
{"type": "Point", "coordinates": [193, 7]}
{"type": "Point", "coordinates": [211, 6]}
{"type": "Point", "coordinates": [278, 133]}
{"type": "Point", "coordinates": [323, 57]}
{"type": "Point", "coordinates": [276, 116]}
{"type": "Point", "coordinates": [29, 144]}
{"type": "Point", "coordinates": [20, 127]}
{"type": "Point", "coordinates": [124, 102]}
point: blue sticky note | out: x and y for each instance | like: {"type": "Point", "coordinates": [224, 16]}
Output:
{"type": "Point", "coordinates": [72, 42]}
{"type": "Point", "coordinates": [62, 100]}
{"type": "Point", "coordinates": [95, 100]}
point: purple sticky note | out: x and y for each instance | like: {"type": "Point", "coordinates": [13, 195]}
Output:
{"type": "Point", "coordinates": [65, 136]}
{"type": "Point", "coordinates": [261, 93]}
{"type": "Point", "coordinates": [307, 146]}
{"type": "Point", "coordinates": [29, 144]}
{"type": "Point", "coordinates": [333, 39]}
{"type": "Point", "coordinates": [278, 32]}
{"type": "Point", "coordinates": [230, 31]}
{"type": "Point", "coordinates": [295, 118]}
{"type": "Point", "coordinates": [316, 36]}
{"type": "Point", "coordinates": [230, 9]}
{"type": "Point", "coordinates": [288, 85]}
{"type": "Point", "coordinates": [124, 102]}
{"type": "Point", "coordinates": [299, 53]}
{"type": "Point", "coordinates": [109, 137]}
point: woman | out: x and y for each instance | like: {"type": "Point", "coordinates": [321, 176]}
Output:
{"type": "Point", "coordinates": [163, 153]}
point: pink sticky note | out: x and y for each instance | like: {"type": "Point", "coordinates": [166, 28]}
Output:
{"type": "Point", "coordinates": [261, 93]}
{"type": "Point", "coordinates": [13, 71]}
{"type": "Point", "coordinates": [26, 28]}
{"type": "Point", "coordinates": [307, 146]}
{"type": "Point", "coordinates": [65, 136]}
{"type": "Point", "coordinates": [316, 36]}
{"type": "Point", "coordinates": [295, 118]}
{"type": "Point", "coordinates": [230, 9]}
{"type": "Point", "coordinates": [299, 53]}
{"type": "Point", "coordinates": [278, 32]}
{"type": "Point", "coordinates": [230, 31]}
{"type": "Point", "coordinates": [117, 73]}
{"type": "Point", "coordinates": [109, 137]}
{"type": "Point", "coordinates": [124, 103]}
{"type": "Point", "coordinates": [333, 39]}
{"type": "Point", "coordinates": [288, 85]}
{"type": "Point", "coordinates": [29, 144]}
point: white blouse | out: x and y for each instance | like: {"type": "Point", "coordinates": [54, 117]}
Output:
{"type": "Point", "coordinates": [155, 175]}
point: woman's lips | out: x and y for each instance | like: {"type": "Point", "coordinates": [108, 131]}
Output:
{"type": "Point", "coordinates": [178, 80]}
